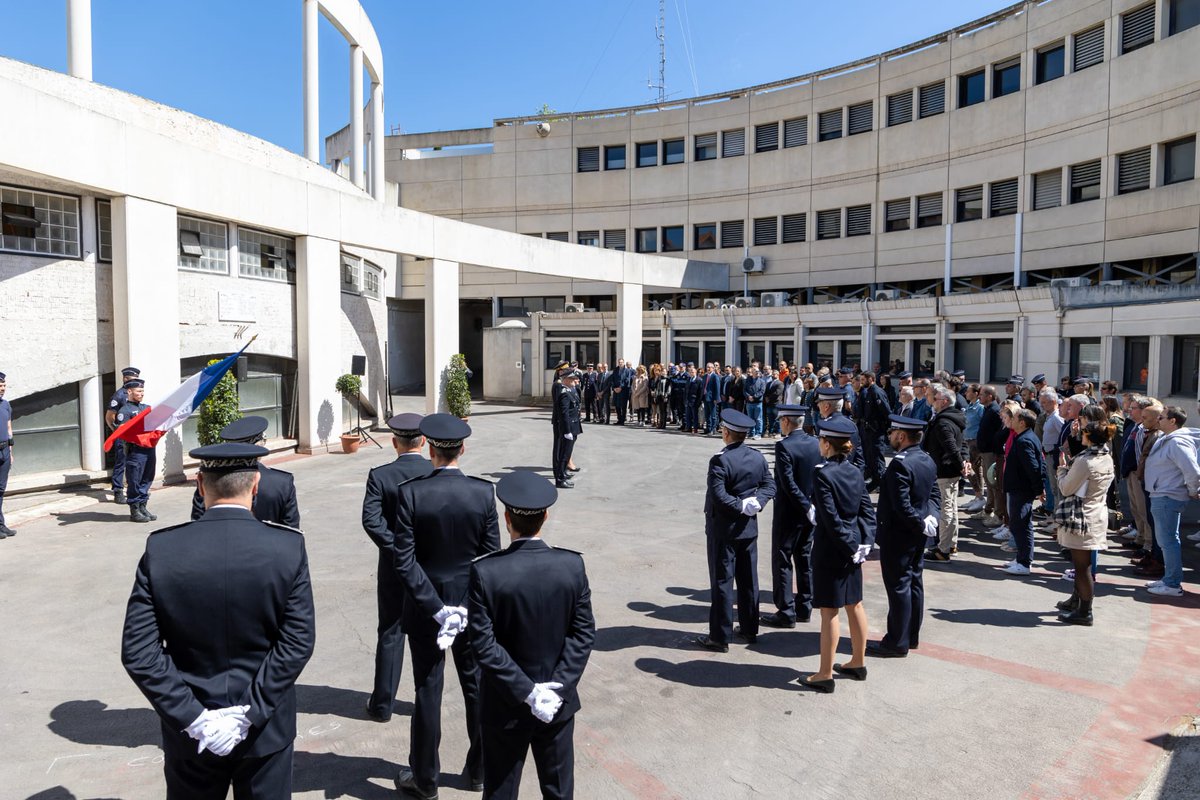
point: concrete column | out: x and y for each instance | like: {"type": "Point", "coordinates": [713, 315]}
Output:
{"type": "Point", "coordinates": [377, 133]}
{"type": "Point", "coordinates": [1018, 230]}
{"type": "Point", "coordinates": [947, 282]}
{"type": "Point", "coordinates": [79, 39]}
{"type": "Point", "coordinates": [1158, 381]}
{"type": "Point", "coordinates": [146, 330]}
{"type": "Point", "coordinates": [312, 126]}
{"type": "Point", "coordinates": [629, 322]}
{"type": "Point", "coordinates": [91, 431]}
{"type": "Point", "coordinates": [356, 115]}
{"type": "Point", "coordinates": [318, 341]}
{"type": "Point", "coordinates": [87, 229]}
{"type": "Point", "coordinates": [441, 328]}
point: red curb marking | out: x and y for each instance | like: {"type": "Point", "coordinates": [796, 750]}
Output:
{"type": "Point", "coordinates": [1023, 672]}
{"type": "Point", "coordinates": [637, 781]}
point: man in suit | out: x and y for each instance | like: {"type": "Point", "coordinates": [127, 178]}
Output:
{"type": "Point", "coordinates": [989, 435]}
{"type": "Point", "coordinates": [531, 629]}
{"type": "Point", "coordinates": [830, 400]}
{"type": "Point", "coordinates": [796, 457]}
{"type": "Point", "coordinates": [739, 487]}
{"type": "Point", "coordinates": [752, 390]}
{"type": "Point", "coordinates": [219, 626]}
{"type": "Point", "coordinates": [589, 392]}
{"type": "Point", "coordinates": [276, 497]}
{"type": "Point", "coordinates": [875, 411]}
{"type": "Point", "coordinates": [679, 384]}
{"type": "Point", "coordinates": [378, 520]}
{"type": "Point", "coordinates": [693, 399]}
{"type": "Point", "coordinates": [1024, 481]}
{"type": "Point", "coordinates": [712, 399]}
{"type": "Point", "coordinates": [622, 383]}
{"type": "Point", "coordinates": [908, 506]}
{"type": "Point", "coordinates": [566, 431]}
{"type": "Point", "coordinates": [444, 521]}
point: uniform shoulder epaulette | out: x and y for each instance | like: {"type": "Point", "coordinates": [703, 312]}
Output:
{"type": "Point", "coordinates": [283, 527]}
{"type": "Point", "coordinates": [171, 527]}
{"type": "Point", "coordinates": [488, 555]}
{"type": "Point", "coordinates": [280, 471]}
{"type": "Point", "coordinates": [566, 550]}
{"type": "Point", "coordinates": [898, 457]}
{"type": "Point", "coordinates": [484, 480]}
{"type": "Point", "coordinates": [822, 464]}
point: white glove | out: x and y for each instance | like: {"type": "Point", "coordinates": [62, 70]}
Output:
{"type": "Point", "coordinates": [454, 623]}
{"type": "Point", "coordinates": [812, 515]}
{"type": "Point", "coordinates": [931, 525]}
{"type": "Point", "coordinates": [751, 506]}
{"type": "Point", "coordinates": [544, 701]}
{"type": "Point", "coordinates": [864, 550]}
{"type": "Point", "coordinates": [220, 730]}
{"type": "Point", "coordinates": [568, 436]}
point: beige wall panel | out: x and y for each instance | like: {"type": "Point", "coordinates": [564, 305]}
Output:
{"type": "Point", "coordinates": [659, 184]}
{"type": "Point", "coordinates": [603, 189]}
{"type": "Point", "coordinates": [1165, 67]}
{"type": "Point", "coordinates": [719, 178]}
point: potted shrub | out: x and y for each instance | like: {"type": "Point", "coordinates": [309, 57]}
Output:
{"type": "Point", "coordinates": [218, 409]}
{"type": "Point", "coordinates": [458, 392]}
{"type": "Point", "coordinates": [348, 386]}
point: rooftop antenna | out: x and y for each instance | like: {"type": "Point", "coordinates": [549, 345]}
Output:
{"type": "Point", "coordinates": [660, 32]}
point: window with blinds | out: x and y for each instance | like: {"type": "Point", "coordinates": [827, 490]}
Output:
{"type": "Point", "coordinates": [1085, 181]}
{"type": "Point", "coordinates": [861, 119]}
{"type": "Point", "coordinates": [733, 143]}
{"type": "Point", "coordinates": [929, 210]}
{"type": "Point", "coordinates": [733, 233]}
{"type": "Point", "coordinates": [795, 132]}
{"type": "Point", "coordinates": [559, 236]}
{"type": "Point", "coordinates": [931, 99]}
{"type": "Point", "coordinates": [588, 238]}
{"type": "Point", "coordinates": [1137, 28]}
{"type": "Point", "coordinates": [765, 230]}
{"type": "Point", "coordinates": [829, 224]}
{"type": "Point", "coordinates": [1003, 197]}
{"type": "Point", "coordinates": [1047, 189]}
{"type": "Point", "coordinates": [1133, 171]}
{"type": "Point", "coordinates": [706, 146]}
{"type": "Point", "coordinates": [968, 204]}
{"type": "Point", "coordinates": [829, 125]}
{"type": "Point", "coordinates": [1089, 48]}
{"type": "Point", "coordinates": [896, 214]}
{"type": "Point", "coordinates": [588, 159]}
{"type": "Point", "coordinates": [766, 137]}
{"type": "Point", "coordinates": [614, 240]}
{"type": "Point", "coordinates": [899, 108]}
{"type": "Point", "coordinates": [858, 221]}
{"type": "Point", "coordinates": [795, 228]}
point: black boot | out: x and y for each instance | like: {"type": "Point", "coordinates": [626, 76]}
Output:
{"type": "Point", "coordinates": [119, 497]}
{"type": "Point", "coordinates": [1082, 615]}
{"type": "Point", "coordinates": [147, 513]}
{"type": "Point", "coordinates": [136, 515]}
{"type": "Point", "coordinates": [1070, 604]}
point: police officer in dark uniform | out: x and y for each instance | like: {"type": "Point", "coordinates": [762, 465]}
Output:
{"type": "Point", "coordinates": [589, 392]}
{"type": "Point", "coordinates": [444, 521]}
{"type": "Point", "coordinates": [276, 498]}
{"type": "Point", "coordinates": [119, 398]}
{"type": "Point", "coordinates": [873, 417]}
{"type": "Point", "coordinates": [378, 519]}
{"type": "Point", "coordinates": [140, 462]}
{"type": "Point", "coordinates": [566, 431]}
{"type": "Point", "coordinates": [829, 404]}
{"type": "Point", "coordinates": [219, 626]}
{"type": "Point", "coordinates": [532, 630]}
{"type": "Point", "coordinates": [739, 487]}
{"type": "Point", "coordinates": [6, 444]}
{"type": "Point", "coordinates": [796, 458]}
{"type": "Point", "coordinates": [908, 510]}
{"type": "Point", "coordinates": [556, 388]}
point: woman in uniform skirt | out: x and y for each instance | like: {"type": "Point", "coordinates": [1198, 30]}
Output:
{"type": "Point", "coordinates": [845, 529]}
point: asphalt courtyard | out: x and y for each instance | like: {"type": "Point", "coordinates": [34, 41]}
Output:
{"type": "Point", "coordinates": [1001, 701]}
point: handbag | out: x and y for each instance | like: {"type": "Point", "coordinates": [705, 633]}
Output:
{"type": "Point", "coordinates": [1068, 513]}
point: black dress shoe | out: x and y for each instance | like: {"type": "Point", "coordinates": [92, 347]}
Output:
{"type": "Point", "coordinates": [710, 644]}
{"type": "Point", "coordinates": [3, 535]}
{"type": "Point", "coordinates": [747, 638]}
{"type": "Point", "coordinates": [825, 687]}
{"type": "Point", "coordinates": [858, 673]}
{"type": "Point", "coordinates": [378, 716]}
{"type": "Point", "coordinates": [6, 531]}
{"type": "Point", "coordinates": [564, 484]}
{"type": "Point", "coordinates": [777, 620]}
{"type": "Point", "coordinates": [406, 784]}
{"type": "Point", "coordinates": [880, 650]}
{"type": "Point", "coordinates": [574, 469]}
{"type": "Point", "coordinates": [475, 784]}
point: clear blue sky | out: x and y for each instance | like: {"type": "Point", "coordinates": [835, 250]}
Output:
{"type": "Point", "coordinates": [461, 66]}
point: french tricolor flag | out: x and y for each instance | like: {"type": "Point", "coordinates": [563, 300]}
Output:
{"type": "Point", "coordinates": [148, 427]}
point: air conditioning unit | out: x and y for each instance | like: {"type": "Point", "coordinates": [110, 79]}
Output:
{"type": "Point", "coordinates": [885, 294]}
{"type": "Point", "coordinates": [712, 303]}
{"type": "Point", "coordinates": [574, 307]}
{"type": "Point", "coordinates": [745, 302]}
{"type": "Point", "coordinates": [754, 264]}
{"type": "Point", "coordinates": [774, 299]}
{"type": "Point", "coordinates": [1069, 283]}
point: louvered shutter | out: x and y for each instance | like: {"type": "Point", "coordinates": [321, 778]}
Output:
{"type": "Point", "coordinates": [1004, 197]}
{"type": "Point", "coordinates": [1133, 171]}
{"type": "Point", "coordinates": [1137, 28]}
{"type": "Point", "coordinates": [589, 159]}
{"type": "Point", "coordinates": [795, 132]}
{"type": "Point", "coordinates": [558, 236]}
{"type": "Point", "coordinates": [1047, 189]}
{"type": "Point", "coordinates": [829, 224]}
{"type": "Point", "coordinates": [614, 240]}
{"type": "Point", "coordinates": [860, 118]}
{"type": "Point", "coordinates": [765, 229]}
{"type": "Point", "coordinates": [1089, 48]}
{"type": "Point", "coordinates": [732, 233]}
{"type": "Point", "coordinates": [830, 124]}
{"type": "Point", "coordinates": [968, 204]}
{"type": "Point", "coordinates": [706, 146]}
{"type": "Point", "coordinates": [733, 143]}
{"type": "Point", "coordinates": [899, 109]}
{"type": "Point", "coordinates": [858, 220]}
{"type": "Point", "coordinates": [929, 206]}
{"type": "Point", "coordinates": [897, 211]}
{"type": "Point", "coordinates": [766, 137]}
{"type": "Point", "coordinates": [795, 227]}
{"type": "Point", "coordinates": [1083, 175]}
{"type": "Point", "coordinates": [932, 99]}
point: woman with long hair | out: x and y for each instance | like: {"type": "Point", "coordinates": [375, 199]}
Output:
{"type": "Point", "coordinates": [660, 395]}
{"type": "Point", "coordinates": [1087, 476]}
{"type": "Point", "coordinates": [640, 395]}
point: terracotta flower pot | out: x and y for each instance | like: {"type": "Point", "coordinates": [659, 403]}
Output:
{"type": "Point", "coordinates": [350, 442]}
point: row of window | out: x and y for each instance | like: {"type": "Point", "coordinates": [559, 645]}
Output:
{"type": "Point", "coordinates": [1050, 63]}
{"type": "Point", "coordinates": [360, 276]}
{"type": "Point", "coordinates": [43, 223]}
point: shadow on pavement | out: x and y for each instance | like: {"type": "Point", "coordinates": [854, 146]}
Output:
{"type": "Point", "coordinates": [624, 637]}
{"type": "Point", "coordinates": [997, 617]}
{"type": "Point", "coordinates": [720, 674]}
{"type": "Point", "coordinates": [338, 702]}
{"type": "Point", "coordinates": [686, 614]}
{"type": "Point", "coordinates": [118, 514]}
{"type": "Point", "coordinates": [93, 722]}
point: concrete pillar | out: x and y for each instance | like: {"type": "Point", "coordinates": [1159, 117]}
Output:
{"type": "Point", "coordinates": [318, 341]}
{"type": "Point", "coordinates": [356, 115]}
{"type": "Point", "coordinates": [441, 328]}
{"type": "Point", "coordinates": [1018, 230]}
{"type": "Point", "coordinates": [146, 304]}
{"type": "Point", "coordinates": [91, 431]}
{"type": "Point", "coordinates": [312, 126]}
{"type": "Point", "coordinates": [87, 229]}
{"type": "Point", "coordinates": [629, 322]}
{"type": "Point", "coordinates": [947, 276]}
{"type": "Point", "coordinates": [377, 133]}
{"type": "Point", "coordinates": [79, 38]}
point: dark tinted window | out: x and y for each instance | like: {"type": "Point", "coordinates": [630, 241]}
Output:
{"type": "Point", "coordinates": [614, 157]}
{"type": "Point", "coordinates": [673, 151]}
{"type": "Point", "coordinates": [1051, 63]}
{"type": "Point", "coordinates": [647, 154]}
{"type": "Point", "coordinates": [970, 89]}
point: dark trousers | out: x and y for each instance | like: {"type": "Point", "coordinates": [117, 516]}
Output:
{"type": "Point", "coordinates": [903, 566]}
{"type": "Point", "coordinates": [504, 749]}
{"type": "Point", "coordinates": [603, 408]}
{"type": "Point", "coordinates": [730, 561]}
{"type": "Point", "coordinates": [389, 647]}
{"type": "Point", "coordinates": [556, 447]}
{"type": "Point", "coordinates": [204, 776]}
{"type": "Point", "coordinates": [139, 472]}
{"type": "Point", "coordinates": [565, 448]}
{"type": "Point", "coordinates": [691, 414]}
{"type": "Point", "coordinates": [712, 413]}
{"type": "Point", "coordinates": [676, 407]}
{"type": "Point", "coordinates": [428, 668]}
{"type": "Point", "coordinates": [5, 467]}
{"type": "Point", "coordinates": [873, 456]}
{"type": "Point", "coordinates": [621, 399]}
{"type": "Point", "coordinates": [118, 475]}
{"type": "Point", "coordinates": [1020, 523]}
{"type": "Point", "coordinates": [791, 550]}
{"type": "Point", "coordinates": [589, 404]}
